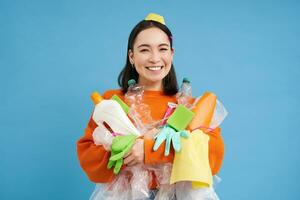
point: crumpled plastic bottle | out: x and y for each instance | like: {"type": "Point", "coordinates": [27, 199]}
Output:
{"type": "Point", "coordinates": [184, 96]}
{"type": "Point", "coordinates": [139, 112]}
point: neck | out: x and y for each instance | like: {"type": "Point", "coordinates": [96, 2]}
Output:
{"type": "Point", "coordinates": [155, 86]}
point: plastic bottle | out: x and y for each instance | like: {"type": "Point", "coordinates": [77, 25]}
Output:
{"type": "Point", "coordinates": [134, 94]}
{"type": "Point", "coordinates": [184, 96]}
{"type": "Point", "coordinates": [139, 111]}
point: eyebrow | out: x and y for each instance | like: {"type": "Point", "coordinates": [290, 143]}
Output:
{"type": "Point", "coordinates": [147, 45]}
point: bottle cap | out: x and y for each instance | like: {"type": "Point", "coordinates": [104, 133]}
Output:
{"type": "Point", "coordinates": [96, 97]}
{"type": "Point", "coordinates": [131, 82]}
{"type": "Point", "coordinates": [186, 80]}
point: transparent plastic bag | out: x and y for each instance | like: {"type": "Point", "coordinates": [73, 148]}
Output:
{"type": "Point", "coordinates": [102, 136]}
{"type": "Point", "coordinates": [131, 184]}
{"type": "Point", "coordinates": [139, 182]}
{"type": "Point", "coordinates": [118, 189]}
{"type": "Point", "coordinates": [163, 173]}
{"type": "Point", "coordinates": [219, 115]}
{"type": "Point", "coordinates": [166, 192]}
{"type": "Point", "coordinates": [184, 191]}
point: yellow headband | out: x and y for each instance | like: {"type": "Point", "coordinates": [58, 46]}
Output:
{"type": "Point", "coordinates": [155, 17]}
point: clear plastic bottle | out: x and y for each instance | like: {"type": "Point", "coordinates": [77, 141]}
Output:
{"type": "Point", "coordinates": [184, 96]}
{"type": "Point", "coordinates": [139, 111]}
{"type": "Point", "coordinates": [134, 94]}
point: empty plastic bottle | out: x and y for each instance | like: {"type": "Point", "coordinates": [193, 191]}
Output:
{"type": "Point", "coordinates": [139, 111]}
{"type": "Point", "coordinates": [184, 96]}
{"type": "Point", "coordinates": [134, 94]}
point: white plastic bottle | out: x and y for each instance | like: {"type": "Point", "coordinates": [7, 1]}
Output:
{"type": "Point", "coordinates": [110, 112]}
{"type": "Point", "coordinates": [184, 96]}
{"type": "Point", "coordinates": [139, 111]}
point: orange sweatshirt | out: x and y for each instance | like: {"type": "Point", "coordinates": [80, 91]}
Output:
{"type": "Point", "coordinates": [93, 159]}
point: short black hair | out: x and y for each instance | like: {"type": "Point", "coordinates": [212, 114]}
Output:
{"type": "Point", "coordinates": [170, 86]}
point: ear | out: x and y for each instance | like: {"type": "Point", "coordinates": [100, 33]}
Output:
{"type": "Point", "coordinates": [172, 53]}
{"type": "Point", "coordinates": [130, 56]}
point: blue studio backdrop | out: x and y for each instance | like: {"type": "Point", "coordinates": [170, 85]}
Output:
{"type": "Point", "coordinates": [53, 54]}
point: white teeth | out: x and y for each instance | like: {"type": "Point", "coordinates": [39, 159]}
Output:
{"type": "Point", "coordinates": [155, 68]}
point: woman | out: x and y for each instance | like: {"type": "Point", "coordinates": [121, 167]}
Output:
{"type": "Point", "coordinates": [149, 62]}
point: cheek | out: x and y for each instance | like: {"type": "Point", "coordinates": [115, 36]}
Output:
{"type": "Point", "coordinates": [168, 59]}
{"type": "Point", "coordinates": [141, 59]}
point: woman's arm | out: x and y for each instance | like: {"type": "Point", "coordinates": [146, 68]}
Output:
{"type": "Point", "coordinates": [156, 157]}
{"type": "Point", "coordinates": [93, 158]}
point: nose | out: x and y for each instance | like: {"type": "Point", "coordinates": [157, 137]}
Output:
{"type": "Point", "coordinates": [154, 57]}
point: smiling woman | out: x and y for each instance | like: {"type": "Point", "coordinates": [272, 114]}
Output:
{"type": "Point", "coordinates": [152, 57]}
{"type": "Point", "coordinates": [149, 62]}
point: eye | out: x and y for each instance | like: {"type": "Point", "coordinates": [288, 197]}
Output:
{"type": "Point", "coordinates": [164, 49]}
{"type": "Point", "coordinates": [143, 50]}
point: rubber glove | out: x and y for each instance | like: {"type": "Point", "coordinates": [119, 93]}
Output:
{"type": "Point", "coordinates": [120, 146]}
{"type": "Point", "coordinates": [169, 134]}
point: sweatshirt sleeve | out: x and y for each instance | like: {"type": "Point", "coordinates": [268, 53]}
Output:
{"type": "Point", "coordinates": [156, 157]}
{"type": "Point", "coordinates": [93, 158]}
{"type": "Point", "coordinates": [216, 151]}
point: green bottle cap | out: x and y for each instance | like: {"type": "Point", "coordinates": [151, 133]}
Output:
{"type": "Point", "coordinates": [131, 82]}
{"type": "Point", "coordinates": [186, 80]}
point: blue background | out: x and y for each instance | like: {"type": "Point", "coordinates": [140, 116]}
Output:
{"type": "Point", "coordinates": [53, 54]}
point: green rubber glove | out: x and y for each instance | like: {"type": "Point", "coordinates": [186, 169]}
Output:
{"type": "Point", "coordinates": [120, 146]}
{"type": "Point", "coordinates": [169, 135]}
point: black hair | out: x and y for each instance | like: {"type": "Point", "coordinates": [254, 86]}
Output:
{"type": "Point", "coordinates": [170, 86]}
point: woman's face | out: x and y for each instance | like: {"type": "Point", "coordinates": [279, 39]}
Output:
{"type": "Point", "coordinates": [152, 57]}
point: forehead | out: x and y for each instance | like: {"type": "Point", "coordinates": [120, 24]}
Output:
{"type": "Point", "coordinates": [151, 36]}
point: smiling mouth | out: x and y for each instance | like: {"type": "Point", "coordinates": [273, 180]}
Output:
{"type": "Point", "coordinates": [154, 68]}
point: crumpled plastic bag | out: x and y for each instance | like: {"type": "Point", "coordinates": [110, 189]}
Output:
{"type": "Point", "coordinates": [219, 115]}
{"type": "Point", "coordinates": [131, 184]}
{"type": "Point", "coordinates": [166, 191]}
{"type": "Point", "coordinates": [184, 191]}
{"type": "Point", "coordinates": [102, 136]}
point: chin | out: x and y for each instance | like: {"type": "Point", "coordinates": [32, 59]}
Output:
{"type": "Point", "coordinates": [156, 79]}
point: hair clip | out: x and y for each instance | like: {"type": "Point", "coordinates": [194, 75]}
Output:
{"type": "Point", "coordinates": [155, 17]}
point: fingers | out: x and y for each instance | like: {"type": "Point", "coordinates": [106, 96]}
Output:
{"type": "Point", "coordinates": [132, 163]}
{"type": "Point", "coordinates": [123, 152]}
{"type": "Point", "coordinates": [159, 139]}
{"type": "Point", "coordinates": [157, 144]}
{"type": "Point", "coordinates": [136, 155]}
{"type": "Point", "coordinates": [168, 143]}
{"type": "Point", "coordinates": [118, 166]}
{"type": "Point", "coordinates": [117, 156]}
{"type": "Point", "coordinates": [129, 160]}
{"type": "Point", "coordinates": [170, 135]}
{"type": "Point", "coordinates": [127, 154]}
{"type": "Point", "coordinates": [110, 164]}
{"type": "Point", "coordinates": [132, 159]}
{"type": "Point", "coordinates": [176, 142]}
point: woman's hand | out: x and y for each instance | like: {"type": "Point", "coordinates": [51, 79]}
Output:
{"type": "Point", "coordinates": [150, 134]}
{"type": "Point", "coordinates": [136, 154]}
